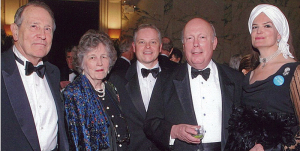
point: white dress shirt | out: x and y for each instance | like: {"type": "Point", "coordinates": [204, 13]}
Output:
{"type": "Point", "coordinates": [146, 84]}
{"type": "Point", "coordinates": [207, 102]}
{"type": "Point", "coordinates": [72, 77]}
{"type": "Point", "coordinates": [42, 105]}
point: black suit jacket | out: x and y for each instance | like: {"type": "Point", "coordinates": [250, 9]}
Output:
{"type": "Point", "coordinates": [64, 73]}
{"type": "Point", "coordinates": [175, 106]}
{"type": "Point", "coordinates": [121, 66]}
{"type": "Point", "coordinates": [18, 132]}
{"type": "Point", "coordinates": [133, 106]}
{"type": "Point", "coordinates": [165, 62]}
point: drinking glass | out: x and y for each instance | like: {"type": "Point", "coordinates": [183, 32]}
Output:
{"type": "Point", "coordinates": [200, 132]}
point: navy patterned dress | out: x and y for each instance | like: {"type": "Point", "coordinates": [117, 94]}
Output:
{"type": "Point", "coordinates": [90, 126]}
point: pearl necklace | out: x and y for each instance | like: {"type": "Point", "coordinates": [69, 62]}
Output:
{"type": "Point", "coordinates": [101, 92]}
{"type": "Point", "coordinates": [265, 60]}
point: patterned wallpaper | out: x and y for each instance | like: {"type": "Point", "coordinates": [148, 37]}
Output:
{"type": "Point", "coordinates": [230, 18]}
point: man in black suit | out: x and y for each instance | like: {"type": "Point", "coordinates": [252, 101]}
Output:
{"type": "Point", "coordinates": [191, 100]}
{"type": "Point", "coordinates": [166, 50]}
{"type": "Point", "coordinates": [32, 116]}
{"type": "Point", "coordinates": [124, 61]}
{"type": "Point", "coordinates": [143, 81]}
{"type": "Point", "coordinates": [68, 74]}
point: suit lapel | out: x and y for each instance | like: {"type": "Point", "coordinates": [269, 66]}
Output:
{"type": "Point", "coordinates": [18, 98]}
{"type": "Point", "coordinates": [133, 89]}
{"type": "Point", "coordinates": [227, 92]}
{"type": "Point", "coordinates": [182, 86]}
{"type": "Point", "coordinates": [52, 79]}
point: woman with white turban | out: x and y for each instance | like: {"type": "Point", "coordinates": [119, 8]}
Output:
{"type": "Point", "coordinates": [268, 116]}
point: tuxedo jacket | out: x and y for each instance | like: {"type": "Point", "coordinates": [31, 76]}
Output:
{"type": "Point", "coordinates": [133, 107]}
{"type": "Point", "coordinates": [175, 106]}
{"type": "Point", "coordinates": [166, 63]}
{"type": "Point", "coordinates": [121, 66]}
{"type": "Point", "coordinates": [64, 74]}
{"type": "Point", "coordinates": [18, 132]}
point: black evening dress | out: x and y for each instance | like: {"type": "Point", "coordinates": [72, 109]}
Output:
{"type": "Point", "coordinates": [266, 115]}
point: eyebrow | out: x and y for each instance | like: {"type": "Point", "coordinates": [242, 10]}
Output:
{"type": "Point", "coordinates": [265, 23]}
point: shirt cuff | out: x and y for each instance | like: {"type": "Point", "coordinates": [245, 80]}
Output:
{"type": "Point", "coordinates": [171, 142]}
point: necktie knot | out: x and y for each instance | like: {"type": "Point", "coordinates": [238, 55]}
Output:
{"type": "Point", "coordinates": [29, 69]}
{"type": "Point", "coordinates": [154, 72]}
{"type": "Point", "coordinates": [204, 73]}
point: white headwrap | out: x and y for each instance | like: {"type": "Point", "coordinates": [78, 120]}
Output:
{"type": "Point", "coordinates": [280, 22]}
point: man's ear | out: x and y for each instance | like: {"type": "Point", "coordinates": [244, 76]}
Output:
{"type": "Point", "coordinates": [215, 42]}
{"type": "Point", "coordinates": [15, 31]}
{"type": "Point", "coordinates": [133, 47]}
{"type": "Point", "coordinates": [160, 47]}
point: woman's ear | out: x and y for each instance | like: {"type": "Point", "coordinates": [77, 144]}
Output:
{"type": "Point", "coordinates": [278, 37]}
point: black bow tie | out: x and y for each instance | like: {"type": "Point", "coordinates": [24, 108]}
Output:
{"type": "Point", "coordinates": [205, 73]}
{"type": "Point", "coordinates": [29, 68]}
{"type": "Point", "coordinates": [71, 71]}
{"type": "Point", "coordinates": [154, 72]}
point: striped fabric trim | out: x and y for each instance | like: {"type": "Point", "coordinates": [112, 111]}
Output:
{"type": "Point", "coordinates": [295, 91]}
{"type": "Point", "coordinates": [295, 96]}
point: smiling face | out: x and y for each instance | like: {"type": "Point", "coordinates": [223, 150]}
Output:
{"type": "Point", "coordinates": [33, 38]}
{"type": "Point", "coordinates": [264, 32]}
{"type": "Point", "coordinates": [147, 47]}
{"type": "Point", "coordinates": [96, 64]}
{"type": "Point", "coordinates": [198, 43]}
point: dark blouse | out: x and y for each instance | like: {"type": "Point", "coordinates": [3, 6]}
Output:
{"type": "Point", "coordinates": [273, 93]}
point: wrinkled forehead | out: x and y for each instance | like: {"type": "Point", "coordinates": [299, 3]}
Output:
{"type": "Point", "coordinates": [200, 27]}
{"type": "Point", "coordinates": [33, 13]}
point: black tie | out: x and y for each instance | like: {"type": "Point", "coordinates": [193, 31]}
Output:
{"type": "Point", "coordinates": [205, 73]}
{"type": "Point", "coordinates": [71, 71]}
{"type": "Point", "coordinates": [29, 68]}
{"type": "Point", "coordinates": [154, 72]}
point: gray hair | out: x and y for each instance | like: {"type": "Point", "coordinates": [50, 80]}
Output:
{"type": "Point", "coordinates": [143, 26]}
{"type": "Point", "coordinates": [234, 61]}
{"type": "Point", "coordinates": [19, 17]}
{"type": "Point", "coordinates": [90, 40]}
{"type": "Point", "coordinates": [125, 44]}
{"type": "Point", "coordinates": [167, 46]}
{"type": "Point", "coordinates": [212, 27]}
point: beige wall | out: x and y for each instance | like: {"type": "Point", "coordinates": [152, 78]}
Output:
{"type": "Point", "coordinates": [8, 10]}
{"type": "Point", "coordinates": [229, 17]}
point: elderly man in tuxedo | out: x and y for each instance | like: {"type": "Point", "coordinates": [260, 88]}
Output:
{"type": "Point", "coordinates": [143, 81]}
{"type": "Point", "coordinates": [199, 92]}
{"type": "Point", "coordinates": [31, 108]}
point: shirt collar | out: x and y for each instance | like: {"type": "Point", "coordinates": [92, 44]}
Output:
{"type": "Point", "coordinates": [210, 65]}
{"type": "Point", "coordinates": [19, 55]}
{"type": "Point", "coordinates": [125, 59]}
{"type": "Point", "coordinates": [139, 66]}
